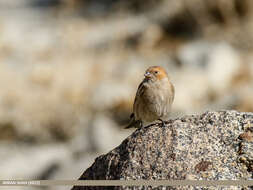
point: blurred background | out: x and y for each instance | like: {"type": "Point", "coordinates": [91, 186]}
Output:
{"type": "Point", "coordinates": [69, 70]}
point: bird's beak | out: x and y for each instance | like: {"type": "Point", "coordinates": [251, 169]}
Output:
{"type": "Point", "coordinates": [147, 74]}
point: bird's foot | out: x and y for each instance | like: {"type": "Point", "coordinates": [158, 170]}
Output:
{"type": "Point", "coordinates": [150, 125]}
{"type": "Point", "coordinates": [163, 123]}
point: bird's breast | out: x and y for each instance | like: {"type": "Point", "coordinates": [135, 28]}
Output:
{"type": "Point", "coordinates": [154, 103]}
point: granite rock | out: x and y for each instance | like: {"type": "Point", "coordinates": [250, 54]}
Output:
{"type": "Point", "coordinates": [210, 146]}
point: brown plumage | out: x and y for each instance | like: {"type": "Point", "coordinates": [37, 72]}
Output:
{"type": "Point", "coordinates": [153, 99]}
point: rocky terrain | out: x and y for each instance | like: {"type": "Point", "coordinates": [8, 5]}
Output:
{"type": "Point", "coordinates": [209, 146]}
{"type": "Point", "coordinates": [69, 71]}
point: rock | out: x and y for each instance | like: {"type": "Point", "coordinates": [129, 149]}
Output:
{"type": "Point", "coordinates": [197, 147]}
{"type": "Point", "coordinates": [221, 75]}
{"type": "Point", "coordinates": [195, 54]}
{"type": "Point", "coordinates": [207, 57]}
{"type": "Point", "coordinates": [105, 129]}
{"type": "Point", "coordinates": [33, 162]}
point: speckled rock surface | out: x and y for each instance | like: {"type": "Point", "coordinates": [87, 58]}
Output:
{"type": "Point", "coordinates": [213, 145]}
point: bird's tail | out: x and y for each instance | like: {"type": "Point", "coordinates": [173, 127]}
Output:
{"type": "Point", "coordinates": [133, 123]}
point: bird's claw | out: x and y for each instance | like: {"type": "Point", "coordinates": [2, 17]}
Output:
{"type": "Point", "coordinates": [163, 123]}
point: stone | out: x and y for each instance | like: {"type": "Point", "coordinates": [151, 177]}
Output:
{"type": "Point", "coordinates": [200, 147]}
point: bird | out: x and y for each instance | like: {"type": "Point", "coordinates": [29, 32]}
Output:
{"type": "Point", "coordinates": [153, 99]}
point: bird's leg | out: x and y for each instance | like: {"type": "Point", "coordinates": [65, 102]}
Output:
{"type": "Point", "coordinates": [141, 124]}
{"type": "Point", "coordinates": [163, 123]}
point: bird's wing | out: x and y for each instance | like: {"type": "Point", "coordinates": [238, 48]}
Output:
{"type": "Point", "coordinates": [134, 120]}
{"type": "Point", "coordinates": [172, 93]}
{"type": "Point", "coordinates": [139, 94]}
{"type": "Point", "coordinates": [133, 123]}
{"type": "Point", "coordinates": [140, 90]}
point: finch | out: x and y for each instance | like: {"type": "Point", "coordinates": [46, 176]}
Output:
{"type": "Point", "coordinates": [153, 99]}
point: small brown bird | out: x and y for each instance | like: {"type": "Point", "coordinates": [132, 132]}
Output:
{"type": "Point", "coordinates": [153, 98]}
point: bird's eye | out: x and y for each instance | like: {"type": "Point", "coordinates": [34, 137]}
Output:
{"type": "Point", "coordinates": [156, 72]}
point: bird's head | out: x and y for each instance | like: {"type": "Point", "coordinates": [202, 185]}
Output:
{"type": "Point", "coordinates": [155, 73]}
